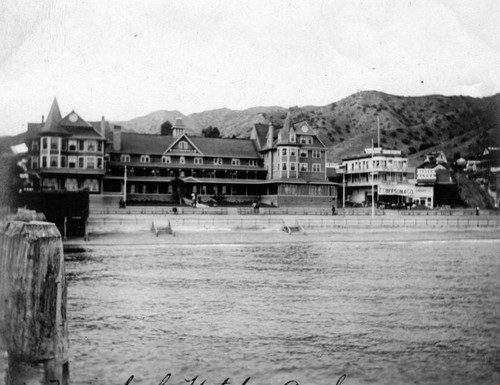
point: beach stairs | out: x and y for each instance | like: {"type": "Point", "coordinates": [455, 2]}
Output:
{"type": "Point", "coordinates": [296, 228]}
{"type": "Point", "coordinates": [157, 230]}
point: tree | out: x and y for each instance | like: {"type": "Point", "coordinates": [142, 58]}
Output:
{"type": "Point", "coordinates": [166, 128]}
{"type": "Point", "coordinates": [211, 132]}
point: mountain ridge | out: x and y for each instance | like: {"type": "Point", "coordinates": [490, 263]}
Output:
{"type": "Point", "coordinates": [458, 125]}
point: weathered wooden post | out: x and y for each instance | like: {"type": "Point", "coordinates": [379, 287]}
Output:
{"type": "Point", "coordinates": [33, 320]}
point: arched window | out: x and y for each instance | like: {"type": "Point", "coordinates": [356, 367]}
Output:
{"type": "Point", "coordinates": [125, 158]}
{"type": "Point", "coordinates": [182, 160]}
{"type": "Point", "coordinates": [198, 160]}
{"type": "Point", "coordinates": [183, 145]}
{"type": "Point", "coordinates": [166, 159]}
{"type": "Point", "coordinates": [145, 159]}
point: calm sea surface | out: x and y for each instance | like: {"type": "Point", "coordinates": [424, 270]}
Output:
{"type": "Point", "coordinates": [379, 312]}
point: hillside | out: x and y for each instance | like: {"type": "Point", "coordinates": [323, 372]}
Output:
{"type": "Point", "coordinates": [416, 125]}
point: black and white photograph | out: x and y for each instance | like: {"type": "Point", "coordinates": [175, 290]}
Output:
{"type": "Point", "coordinates": [282, 192]}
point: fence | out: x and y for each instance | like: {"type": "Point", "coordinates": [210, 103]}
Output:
{"type": "Point", "coordinates": [213, 223]}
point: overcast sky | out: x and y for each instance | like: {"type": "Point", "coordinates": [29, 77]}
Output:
{"type": "Point", "coordinates": [124, 59]}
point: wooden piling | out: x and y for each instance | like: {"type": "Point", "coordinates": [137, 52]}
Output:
{"type": "Point", "coordinates": [33, 297]}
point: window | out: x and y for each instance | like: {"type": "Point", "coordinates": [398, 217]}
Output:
{"type": "Point", "coordinates": [303, 153]}
{"type": "Point", "coordinates": [81, 145]}
{"type": "Point", "coordinates": [81, 162]}
{"type": "Point", "coordinates": [99, 146]}
{"type": "Point", "coordinates": [293, 152]}
{"type": "Point", "coordinates": [54, 161]}
{"type": "Point", "coordinates": [218, 161]}
{"type": "Point", "coordinates": [34, 162]}
{"type": "Point", "coordinates": [283, 151]}
{"type": "Point", "coordinates": [72, 161]}
{"type": "Point", "coordinates": [91, 162]}
{"type": "Point", "coordinates": [99, 162]}
{"type": "Point", "coordinates": [71, 184]}
{"type": "Point", "coordinates": [145, 159]}
{"type": "Point", "coordinates": [182, 160]}
{"type": "Point", "coordinates": [125, 158]}
{"type": "Point", "coordinates": [166, 159]}
{"type": "Point", "coordinates": [316, 154]}
{"type": "Point", "coordinates": [34, 145]}
{"type": "Point", "coordinates": [72, 145]}
{"type": "Point", "coordinates": [44, 143]}
{"type": "Point", "coordinates": [198, 160]}
{"type": "Point", "coordinates": [292, 166]}
{"type": "Point", "coordinates": [293, 138]}
{"type": "Point", "coordinates": [91, 145]}
{"type": "Point", "coordinates": [316, 167]}
{"type": "Point", "coordinates": [235, 162]}
{"type": "Point", "coordinates": [252, 162]}
{"type": "Point", "coordinates": [303, 167]}
{"type": "Point", "coordinates": [64, 144]}
{"type": "Point", "coordinates": [63, 161]}
{"type": "Point", "coordinates": [54, 144]}
{"type": "Point", "coordinates": [44, 161]}
{"type": "Point", "coordinates": [283, 166]}
{"type": "Point", "coordinates": [306, 140]}
{"type": "Point", "coordinates": [183, 145]}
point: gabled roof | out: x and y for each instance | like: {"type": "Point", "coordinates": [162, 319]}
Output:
{"type": "Point", "coordinates": [187, 139]}
{"type": "Point", "coordinates": [433, 165]}
{"type": "Point", "coordinates": [73, 120]}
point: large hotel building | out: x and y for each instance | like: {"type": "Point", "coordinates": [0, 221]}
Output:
{"type": "Point", "coordinates": [277, 166]}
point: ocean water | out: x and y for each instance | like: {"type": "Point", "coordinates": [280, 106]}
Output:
{"type": "Point", "coordinates": [377, 312]}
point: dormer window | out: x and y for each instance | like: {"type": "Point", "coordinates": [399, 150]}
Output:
{"type": "Point", "coordinates": [145, 159]}
{"type": "Point", "coordinates": [218, 161]}
{"type": "Point", "coordinates": [166, 159]}
{"type": "Point", "coordinates": [182, 160]}
{"type": "Point", "coordinates": [252, 162]}
{"type": "Point", "coordinates": [198, 160]}
{"type": "Point", "coordinates": [235, 162]}
{"type": "Point", "coordinates": [34, 145]}
{"type": "Point", "coordinates": [125, 158]}
{"type": "Point", "coordinates": [293, 138]}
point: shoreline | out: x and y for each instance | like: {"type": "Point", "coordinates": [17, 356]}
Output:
{"type": "Point", "coordinates": [255, 237]}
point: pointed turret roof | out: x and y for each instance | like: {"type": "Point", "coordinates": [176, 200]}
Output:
{"type": "Point", "coordinates": [51, 126]}
{"type": "Point", "coordinates": [285, 130]}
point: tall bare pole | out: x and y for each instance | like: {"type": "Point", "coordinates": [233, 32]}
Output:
{"type": "Point", "coordinates": [378, 132]}
{"type": "Point", "coordinates": [373, 185]}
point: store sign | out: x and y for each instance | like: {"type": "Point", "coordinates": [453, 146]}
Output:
{"type": "Point", "coordinates": [396, 189]}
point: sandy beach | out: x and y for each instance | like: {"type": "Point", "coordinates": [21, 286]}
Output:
{"type": "Point", "coordinates": [273, 236]}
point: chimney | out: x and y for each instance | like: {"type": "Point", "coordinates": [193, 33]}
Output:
{"type": "Point", "coordinates": [117, 138]}
{"type": "Point", "coordinates": [103, 126]}
{"type": "Point", "coordinates": [43, 119]}
{"type": "Point", "coordinates": [270, 135]}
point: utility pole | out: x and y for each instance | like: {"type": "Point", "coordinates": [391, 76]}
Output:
{"type": "Point", "coordinates": [373, 185]}
{"type": "Point", "coordinates": [125, 185]}
{"type": "Point", "coordinates": [343, 186]}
